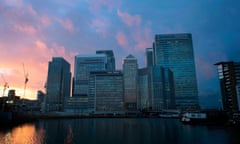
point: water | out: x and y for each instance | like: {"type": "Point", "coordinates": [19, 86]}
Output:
{"type": "Point", "coordinates": [117, 131]}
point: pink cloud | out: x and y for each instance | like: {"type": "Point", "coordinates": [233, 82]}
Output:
{"type": "Point", "coordinates": [41, 45]}
{"type": "Point", "coordinates": [67, 24]}
{"type": "Point", "coordinates": [130, 20]}
{"type": "Point", "coordinates": [45, 20]}
{"type": "Point", "coordinates": [58, 50]}
{"type": "Point", "coordinates": [96, 5]}
{"type": "Point", "coordinates": [15, 3]}
{"type": "Point", "coordinates": [100, 26]}
{"type": "Point", "coordinates": [121, 39]}
{"type": "Point", "coordinates": [143, 38]}
{"type": "Point", "coordinates": [31, 10]}
{"type": "Point", "coordinates": [27, 29]}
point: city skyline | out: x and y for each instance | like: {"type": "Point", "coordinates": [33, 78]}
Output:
{"type": "Point", "coordinates": [34, 32]}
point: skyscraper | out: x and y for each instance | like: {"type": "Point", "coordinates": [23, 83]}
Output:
{"type": "Point", "coordinates": [58, 84]}
{"type": "Point", "coordinates": [168, 87]}
{"type": "Point", "coordinates": [144, 88]}
{"type": "Point", "coordinates": [130, 76]}
{"type": "Point", "coordinates": [106, 91]}
{"type": "Point", "coordinates": [110, 59]}
{"type": "Point", "coordinates": [149, 57]}
{"type": "Point", "coordinates": [84, 64]}
{"type": "Point", "coordinates": [157, 88]}
{"type": "Point", "coordinates": [175, 52]}
{"type": "Point", "coordinates": [229, 78]}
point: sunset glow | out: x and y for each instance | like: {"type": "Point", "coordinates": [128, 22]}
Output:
{"type": "Point", "coordinates": [32, 32]}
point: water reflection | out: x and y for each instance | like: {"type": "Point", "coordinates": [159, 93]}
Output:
{"type": "Point", "coordinates": [69, 137]}
{"type": "Point", "coordinates": [117, 131]}
{"type": "Point", "coordinates": [22, 134]}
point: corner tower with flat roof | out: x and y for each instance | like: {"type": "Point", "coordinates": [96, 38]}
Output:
{"type": "Point", "coordinates": [58, 84]}
{"type": "Point", "coordinates": [175, 52]}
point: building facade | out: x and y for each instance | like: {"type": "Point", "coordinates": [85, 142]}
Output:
{"type": "Point", "coordinates": [130, 76]}
{"type": "Point", "coordinates": [106, 92]}
{"type": "Point", "coordinates": [77, 105]}
{"type": "Point", "coordinates": [168, 87]}
{"type": "Point", "coordinates": [229, 79]}
{"type": "Point", "coordinates": [110, 59]}
{"type": "Point", "coordinates": [175, 52]}
{"type": "Point", "coordinates": [157, 88]}
{"type": "Point", "coordinates": [149, 57]}
{"type": "Point", "coordinates": [144, 88]}
{"type": "Point", "coordinates": [84, 64]}
{"type": "Point", "coordinates": [58, 84]}
{"type": "Point", "coordinates": [238, 95]}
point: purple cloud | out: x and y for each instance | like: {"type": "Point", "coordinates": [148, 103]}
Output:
{"type": "Point", "coordinates": [130, 20]}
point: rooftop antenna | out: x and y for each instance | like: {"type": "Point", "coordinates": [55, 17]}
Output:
{"type": "Point", "coordinates": [5, 86]}
{"type": "Point", "coordinates": [25, 80]}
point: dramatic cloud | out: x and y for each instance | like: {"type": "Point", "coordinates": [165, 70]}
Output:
{"type": "Point", "coordinates": [27, 29]}
{"type": "Point", "coordinates": [122, 39]}
{"type": "Point", "coordinates": [143, 39]}
{"type": "Point", "coordinates": [96, 5]}
{"type": "Point", "coordinates": [130, 20]}
{"type": "Point", "coordinates": [45, 20]}
{"type": "Point", "coordinates": [100, 25]}
{"type": "Point", "coordinates": [67, 24]}
{"type": "Point", "coordinates": [15, 3]}
{"type": "Point", "coordinates": [32, 32]}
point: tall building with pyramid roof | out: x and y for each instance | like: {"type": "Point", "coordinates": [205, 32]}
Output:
{"type": "Point", "coordinates": [130, 76]}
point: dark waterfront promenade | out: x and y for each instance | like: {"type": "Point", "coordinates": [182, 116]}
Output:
{"type": "Point", "coordinates": [117, 131]}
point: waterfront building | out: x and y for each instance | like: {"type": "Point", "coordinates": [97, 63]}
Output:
{"type": "Point", "coordinates": [168, 86]}
{"type": "Point", "coordinates": [149, 57]}
{"type": "Point", "coordinates": [40, 99]}
{"type": "Point", "coordinates": [130, 76]}
{"type": "Point", "coordinates": [110, 59]}
{"type": "Point", "coordinates": [76, 105]}
{"type": "Point", "coordinates": [229, 79]}
{"type": "Point", "coordinates": [157, 88]}
{"type": "Point", "coordinates": [144, 88]}
{"type": "Point", "coordinates": [40, 96]}
{"type": "Point", "coordinates": [58, 84]}
{"type": "Point", "coordinates": [84, 64]}
{"type": "Point", "coordinates": [175, 52]}
{"type": "Point", "coordinates": [238, 95]}
{"type": "Point", "coordinates": [106, 91]}
{"type": "Point", "coordinates": [162, 88]}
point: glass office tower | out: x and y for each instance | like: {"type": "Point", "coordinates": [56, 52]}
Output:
{"type": "Point", "coordinates": [149, 57]}
{"type": "Point", "coordinates": [58, 84]}
{"type": "Point", "coordinates": [110, 59]}
{"type": "Point", "coordinates": [144, 88]}
{"type": "Point", "coordinates": [175, 52]}
{"type": "Point", "coordinates": [229, 78]}
{"type": "Point", "coordinates": [168, 86]}
{"type": "Point", "coordinates": [84, 64]}
{"type": "Point", "coordinates": [157, 88]}
{"type": "Point", "coordinates": [106, 92]}
{"type": "Point", "coordinates": [130, 76]}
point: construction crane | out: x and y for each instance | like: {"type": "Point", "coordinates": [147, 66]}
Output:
{"type": "Point", "coordinates": [5, 86]}
{"type": "Point", "coordinates": [25, 80]}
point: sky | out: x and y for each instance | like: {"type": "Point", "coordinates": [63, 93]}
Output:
{"type": "Point", "coordinates": [32, 32]}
